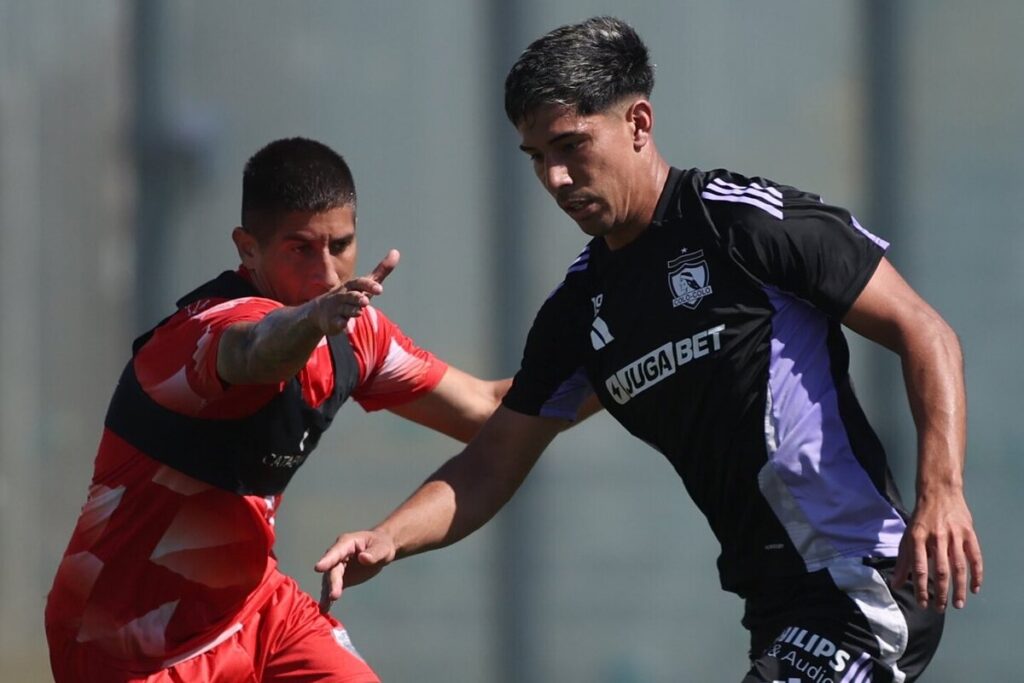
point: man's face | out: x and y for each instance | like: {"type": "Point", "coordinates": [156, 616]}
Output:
{"type": "Point", "coordinates": [308, 254]}
{"type": "Point", "coordinates": [587, 163]}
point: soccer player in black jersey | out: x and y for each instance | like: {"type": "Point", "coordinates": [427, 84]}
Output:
{"type": "Point", "coordinates": [706, 315]}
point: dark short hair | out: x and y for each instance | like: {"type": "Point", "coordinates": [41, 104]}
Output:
{"type": "Point", "coordinates": [589, 66]}
{"type": "Point", "coordinates": [293, 174]}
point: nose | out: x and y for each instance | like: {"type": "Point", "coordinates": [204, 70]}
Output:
{"type": "Point", "coordinates": [325, 270]}
{"type": "Point", "coordinates": [556, 176]}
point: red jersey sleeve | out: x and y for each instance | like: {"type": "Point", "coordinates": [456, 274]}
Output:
{"type": "Point", "coordinates": [392, 369]}
{"type": "Point", "coordinates": [177, 366]}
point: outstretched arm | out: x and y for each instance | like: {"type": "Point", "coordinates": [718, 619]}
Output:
{"type": "Point", "coordinates": [278, 346]}
{"type": "Point", "coordinates": [455, 501]}
{"type": "Point", "coordinates": [941, 536]}
{"type": "Point", "coordinates": [460, 404]}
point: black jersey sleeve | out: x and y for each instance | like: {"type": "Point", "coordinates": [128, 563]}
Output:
{"type": "Point", "coordinates": [550, 381]}
{"type": "Point", "coordinates": [789, 239]}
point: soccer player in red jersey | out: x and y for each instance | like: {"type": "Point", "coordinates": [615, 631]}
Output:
{"type": "Point", "coordinates": [170, 573]}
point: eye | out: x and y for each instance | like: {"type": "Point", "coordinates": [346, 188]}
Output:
{"type": "Point", "coordinates": [338, 246]}
{"type": "Point", "coordinates": [572, 145]}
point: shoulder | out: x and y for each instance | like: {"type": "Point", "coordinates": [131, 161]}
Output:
{"type": "Point", "coordinates": [755, 199]}
{"type": "Point", "coordinates": [377, 340]}
{"type": "Point", "coordinates": [393, 369]}
{"type": "Point", "coordinates": [203, 320]}
{"type": "Point", "coordinates": [578, 273]}
{"type": "Point", "coordinates": [214, 310]}
{"type": "Point", "coordinates": [758, 210]}
{"type": "Point", "coordinates": [177, 365]}
{"type": "Point", "coordinates": [790, 239]}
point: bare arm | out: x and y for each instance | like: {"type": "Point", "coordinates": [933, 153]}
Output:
{"type": "Point", "coordinates": [471, 487]}
{"type": "Point", "coordinates": [455, 501]}
{"type": "Point", "coordinates": [590, 406]}
{"type": "Point", "coordinates": [941, 532]}
{"type": "Point", "coordinates": [458, 406]}
{"type": "Point", "coordinates": [278, 346]}
{"type": "Point", "coordinates": [461, 403]}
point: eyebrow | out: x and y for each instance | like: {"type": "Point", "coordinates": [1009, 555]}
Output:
{"type": "Point", "coordinates": [299, 236]}
{"type": "Point", "coordinates": [568, 133]}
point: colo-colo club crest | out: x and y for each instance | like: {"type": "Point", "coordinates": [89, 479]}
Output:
{"type": "Point", "coordinates": [688, 279]}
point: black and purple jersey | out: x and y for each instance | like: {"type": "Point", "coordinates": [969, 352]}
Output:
{"type": "Point", "coordinates": [715, 337]}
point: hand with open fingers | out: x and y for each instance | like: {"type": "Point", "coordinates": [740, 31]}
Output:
{"type": "Point", "coordinates": [940, 542]}
{"type": "Point", "coordinates": [354, 558]}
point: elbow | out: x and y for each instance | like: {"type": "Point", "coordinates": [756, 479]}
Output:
{"type": "Point", "coordinates": [930, 336]}
{"type": "Point", "coordinates": [943, 334]}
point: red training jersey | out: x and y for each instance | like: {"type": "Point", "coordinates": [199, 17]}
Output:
{"type": "Point", "coordinates": [161, 565]}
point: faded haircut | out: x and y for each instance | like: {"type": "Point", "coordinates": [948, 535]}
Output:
{"type": "Point", "coordinates": [589, 66]}
{"type": "Point", "coordinates": [293, 174]}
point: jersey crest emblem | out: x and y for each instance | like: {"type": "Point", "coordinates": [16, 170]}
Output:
{"type": "Point", "coordinates": [689, 279]}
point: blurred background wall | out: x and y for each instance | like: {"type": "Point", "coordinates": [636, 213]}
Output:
{"type": "Point", "coordinates": [124, 127]}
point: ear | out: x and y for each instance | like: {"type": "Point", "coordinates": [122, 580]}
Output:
{"type": "Point", "coordinates": [247, 246]}
{"type": "Point", "coordinates": [640, 115]}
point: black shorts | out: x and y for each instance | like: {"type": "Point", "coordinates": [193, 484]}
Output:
{"type": "Point", "coordinates": [842, 624]}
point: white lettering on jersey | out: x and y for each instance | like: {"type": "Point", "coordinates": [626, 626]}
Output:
{"type": "Point", "coordinates": [660, 363]}
{"type": "Point", "coordinates": [275, 460]}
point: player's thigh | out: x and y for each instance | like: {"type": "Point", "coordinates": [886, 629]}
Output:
{"type": "Point", "coordinates": [228, 662]}
{"type": "Point", "coordinates": [843, 624]}
{"type": "Point", "coordinates": [302, 645]}
{"type": "Point", "coordinates": [324, 655]}
{"type": "Point", "coordinates": [820, 652]}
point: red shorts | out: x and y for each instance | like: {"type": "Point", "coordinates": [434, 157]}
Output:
{"type": "Point", "coordinates": [286, 639]}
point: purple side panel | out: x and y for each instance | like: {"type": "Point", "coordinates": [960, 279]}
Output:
{"type": "Point", "coordinates": [827, 487]}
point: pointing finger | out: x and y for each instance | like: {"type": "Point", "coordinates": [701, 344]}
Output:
{"type": "Point", "coordinates": [386, 265]}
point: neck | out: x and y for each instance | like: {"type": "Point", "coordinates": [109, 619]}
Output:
{"type": "Point", "coordinates": [649, 189]}
{"type": "Point", "coordinates": [256, 281]}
